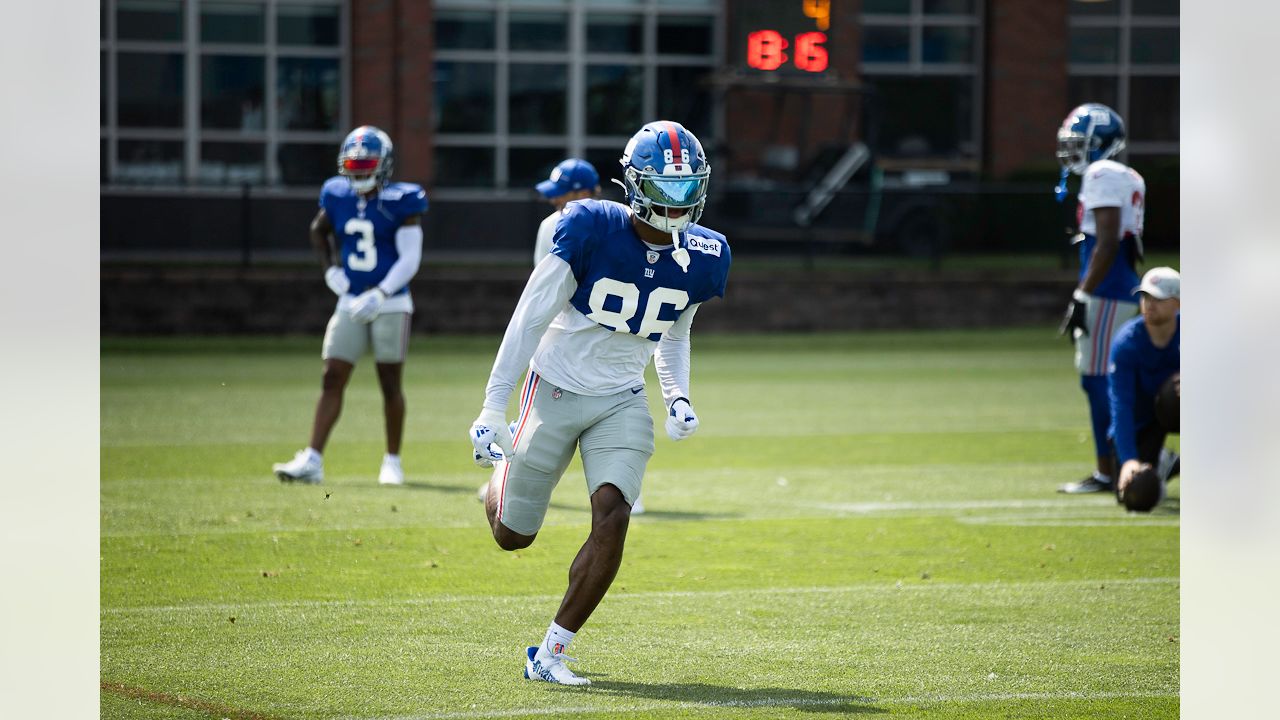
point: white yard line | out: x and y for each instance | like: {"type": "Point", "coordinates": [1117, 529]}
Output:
{"type": "Point", "coordinates": [864, 588]}
{"type": "Point", "coordinates": [770, 703]}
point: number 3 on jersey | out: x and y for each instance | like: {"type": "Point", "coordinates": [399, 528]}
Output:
{"type": "Point", "coordinates": [365, 258]}
{"type": "Point", "coordinates": [629, 294]}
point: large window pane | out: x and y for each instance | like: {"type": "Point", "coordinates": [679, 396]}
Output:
{"type": "Point", "coordinates": [605, 161]}
{"type": "Point", "coordinates": [150, 87]}
{"type": "Point", "coordinates": [683, 98]}
{"type": "Point", "coordinates": [315, 25]}
{"type": "Point", "coordinates": [614, 96]}
{"type": "Point", "coordinates": [946, 130]}
{"type": "Point", "coordinates": [1153, 46]}
{"type": "Point", "coordinates": [1155, 7]}
{"type": "Point", "coordinates": [149, 162]}
{"type": "Point", "coordinates": [464, 97]}
{"type": "Point", "coordinates": [615, 33]}
{"type": "Point", "coordinates": [886, 7]}
{"type": "Point", "coordinates": [527, 167]}
{"type": "Point", "coordinates": [949, 7]}
{"type": "Point", "coordinates": [308, 93]}
{"type": "Point", "coordinates": [1087, 89]}
{"type": "Point", "coordinates": [465, 30]}
{"type": "Point", "coordinates": [232, 22]}
{"type": "Point", "coordinates": [682, 35]}
{"type": "Point", "coordinates": [538, 31]}
{"type": "Point", "coordinates": [947, 45]}
{"type": "Point", "coordinates": [1081, 9]}
{"type": "Point", "coordinates": [464, 167]}
{"type": "Point", "coordinates": [538, 98]}
{"type": "Point", "coordinates": [232, 163]}
{"type": "Point", "coordinates": [307, 163]}
{"type": "Point", "coordinates": [886, 44]}
{"type": "Point", "coordinates": [149, 20]}
{"type": "Point", "coordinates": [1153, 105]}
{"type": "Point", "coordinates": [231, 92]}
{"type": "Point", "coordinates": [1094, 45]}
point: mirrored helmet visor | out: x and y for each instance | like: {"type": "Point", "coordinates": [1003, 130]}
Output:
{"type": "Point", "coordinates": [673, 191]}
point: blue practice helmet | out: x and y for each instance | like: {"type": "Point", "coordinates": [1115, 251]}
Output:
{"type": "Point", "coordinates": [1090, 133]}
{"type": "Point", "coordinates": [366, 158]}
{"type": "Point", "coordinates": [664, 166]}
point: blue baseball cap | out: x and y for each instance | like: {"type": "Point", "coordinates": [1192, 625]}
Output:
{"type": "Point", "coordinates": [569, 175]}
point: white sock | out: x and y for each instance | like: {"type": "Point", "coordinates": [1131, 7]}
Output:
{"type": "Point", "coordinates": [556, 641]}
{"type": "Point", "coordinates": [388, 457]}
{"type": "Point", "coordinates": [314, 454]}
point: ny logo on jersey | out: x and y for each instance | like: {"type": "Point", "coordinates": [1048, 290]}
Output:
{"type": "Point", "coordinates": [648, 272]}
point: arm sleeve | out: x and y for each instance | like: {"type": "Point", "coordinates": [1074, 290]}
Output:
{"type": "Point", "coordinates": [1122, 389]}
{"type": "Point", "coordinates": [409, 246]}
{"type": "Point", "coordinates": [550, 286]}
{"type": "Point", "coordinates": [671, 359]}
{"type": "Point", "coordinates": [542, 246]}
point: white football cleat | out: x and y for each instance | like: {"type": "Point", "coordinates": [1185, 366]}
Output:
{"type": "Point", "coordinates": [391, 473]}
{"type": "Point", "coordinates": [551, 668]}
{"type": "Point", "coordinates": [305, 467]}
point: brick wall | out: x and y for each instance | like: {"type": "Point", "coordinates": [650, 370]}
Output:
{"type": "Point", "coordinates": [214, 301]}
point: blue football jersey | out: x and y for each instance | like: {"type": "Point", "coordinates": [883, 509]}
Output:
{"type": "Point", "coordinates": [623, 284]}
{"type": "Point", "coordinates": [1122, 278]}
{"type": "Point", "coordinates": [366, 230]}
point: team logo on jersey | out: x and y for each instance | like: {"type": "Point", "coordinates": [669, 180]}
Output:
{"type": "Point", "coordinates": [556, 395]}
{"type": "Point", "coordinates": [708, 246]}
{"type": "Point", "coordinates": [651, 256]}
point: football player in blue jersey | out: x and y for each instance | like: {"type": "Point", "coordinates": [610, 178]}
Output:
{"type": "Point", "coordinates": [368, 236]}
{"type": "Point", "coordinates": [1110, 214]}
{"type": "Point", "coordinates": [621, 286]}
{"type": "Point", "coordinates": [1147, 355]}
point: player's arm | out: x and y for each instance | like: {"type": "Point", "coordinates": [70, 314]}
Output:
{"type": "Point", "coordinates": [322, 240]}
{"type": "Point", "coordinates": [409, 248]}
{"type": "Point", "coordinates": [671, 361]}
{"type": "Point", "coordinates": [549, 287]}
{"type": "Point", "coordinates": [1122, 391]}
{"type": "Point", "coordinates": [1107, 233]}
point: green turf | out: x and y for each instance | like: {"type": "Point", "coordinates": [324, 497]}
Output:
{"type": "Point", "coordinates": [865, 524]}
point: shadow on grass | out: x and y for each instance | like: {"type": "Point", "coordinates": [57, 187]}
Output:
{"type": "Point", "coordinates": [701, 694]}
{"type": "Point", "coordinates": [681, 515]}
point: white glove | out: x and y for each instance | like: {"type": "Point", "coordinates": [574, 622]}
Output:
{"type": "Point", "coordinates": [366, 305]}
{"type": "Point", "coordinates": [681, 422]}
{"type": "Point", "coordinates": [490, 437]}
{"type": "Point", "coordinates": [337, 280]}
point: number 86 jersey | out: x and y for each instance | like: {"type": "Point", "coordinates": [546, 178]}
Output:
{"type": "Point", "coordinates": [366, 230]}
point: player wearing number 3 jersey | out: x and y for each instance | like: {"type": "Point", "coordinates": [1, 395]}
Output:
{"type": "Point", "coordinates": [621, 286]}
{"type": "Point", "coordinates": [368, 237]}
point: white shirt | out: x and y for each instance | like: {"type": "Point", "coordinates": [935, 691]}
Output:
{"type": "Point", "coordinates": [559, 343]}
{"type": "Point", "coordinates": [542, 246]}
{"type": "Point", "coordinates": [1107, 183]}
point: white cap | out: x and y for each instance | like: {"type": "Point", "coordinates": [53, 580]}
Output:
{"type": "Point", "coordinates": [1161, 283]}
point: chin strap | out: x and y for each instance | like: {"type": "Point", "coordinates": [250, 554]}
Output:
{"type": "Point", "coordinates": [1060, 190]}
{"type": "Point", "coordinates": [680, 255]}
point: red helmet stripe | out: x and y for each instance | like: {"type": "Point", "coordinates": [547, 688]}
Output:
{"type": "Point", "coordinates": [675, 141]}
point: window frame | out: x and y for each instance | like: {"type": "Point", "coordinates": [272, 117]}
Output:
{"type": "Point", "coordinates": [575, 142]}
{"type": "Point", "coordinates": [191, 134]}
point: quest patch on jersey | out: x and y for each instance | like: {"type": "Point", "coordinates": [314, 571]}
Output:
{"type": "Point", "coordinates": [708, 246]}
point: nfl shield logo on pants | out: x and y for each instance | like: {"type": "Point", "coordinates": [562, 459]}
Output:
{"type": "Point", "coordinates": [651, 256]}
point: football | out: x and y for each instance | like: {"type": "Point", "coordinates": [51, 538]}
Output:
{"type": "Point", "coordinates": [1144, 492]}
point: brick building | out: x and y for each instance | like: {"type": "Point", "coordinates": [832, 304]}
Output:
{"type": "Point", "coordinates": [220, 119]}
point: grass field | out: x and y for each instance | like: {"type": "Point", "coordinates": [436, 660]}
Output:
{"type": "Point", "coordinates": [864, 524]}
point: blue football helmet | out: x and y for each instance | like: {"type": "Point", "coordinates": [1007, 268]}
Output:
{"type": "Point", "coordinates": [365, 158]}
{"type": "Point", "coordinates": [665, 169]}
{"type": "Point", "coordinates": [1090, 133]}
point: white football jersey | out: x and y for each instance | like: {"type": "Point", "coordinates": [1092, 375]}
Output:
{"type": "Point", "coordinates": [1108, 183]}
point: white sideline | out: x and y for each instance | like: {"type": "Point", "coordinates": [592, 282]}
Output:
{"type": "Point", "coordinates": [885, 586]}
{"type": "Point", "coordinates": [769, 702]}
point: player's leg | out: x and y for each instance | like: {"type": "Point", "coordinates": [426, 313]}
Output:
{"type": "Point", "coordinates": [344, 342]}
{"type": "Point", "coordinates": [390, 335]}
{"type": "Point", "coordinates": [545, 436]}
{"type": "Point", "coordinates": [615, 449]}
{"type": "Point", "coordinates": [1093, 356]}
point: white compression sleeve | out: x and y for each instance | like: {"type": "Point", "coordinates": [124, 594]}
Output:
{"type": "Point", "coordinates": [671, 359]}
{"type": "Point", "coordinates": [550, 286]}
{"type": "Point", "coordinates": [409, 245]}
